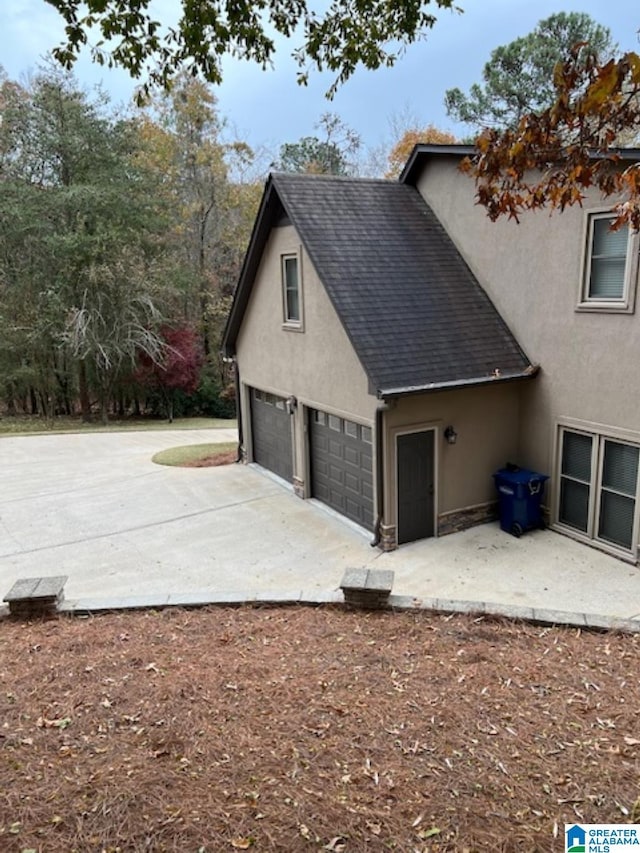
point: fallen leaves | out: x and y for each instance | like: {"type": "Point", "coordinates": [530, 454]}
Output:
{"type": "Point", "coordinates": [44, 723]}
{"type": "Point", "coordinates": [291, 729]}
{"type": "Point", "coordinates": [242, 843]}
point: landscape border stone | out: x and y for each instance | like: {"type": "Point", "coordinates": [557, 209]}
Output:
{"type": "Point", "coordinates": [314, 598]}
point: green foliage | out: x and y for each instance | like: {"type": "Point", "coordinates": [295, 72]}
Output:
{"type": "Point", "coordinates": [312, 156]}
{"type": "Point", "coordinates": [371, 33]}
{"type": "Point", "coordinates": [212, 212]}
{"type": "Point", "coordinates": [108, 228]}
{"type": "Point", "coordinates": [79, 253]}
{"type": "Point", "coordinates": [331, 155]}
{"type": "Point", "coordinates": [518, 78]}
{"type": "Point", "coordinates": [210, 400]}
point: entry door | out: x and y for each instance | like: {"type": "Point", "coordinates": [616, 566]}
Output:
{"type": "Point", "coordinates": [416, 469]}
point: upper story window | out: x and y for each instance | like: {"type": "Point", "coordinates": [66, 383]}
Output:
{"type": "Point", "coordinates": [291, 291]}
{"type": "Point", "coordinates": [611, 268]}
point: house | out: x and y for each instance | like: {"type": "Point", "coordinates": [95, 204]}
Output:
{"type": "Point", "coordinates": [566, 285]}
{"type": "Point", "coordinates": [387, 335]}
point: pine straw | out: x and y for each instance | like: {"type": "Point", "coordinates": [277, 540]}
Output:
{"type": "Point", "coordinates": [300, 729]}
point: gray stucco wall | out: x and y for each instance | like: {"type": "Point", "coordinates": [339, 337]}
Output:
{"type": "Point", "coordinates": [533, 272]}
{"type": "Point", "coordinates": [486, 421]}
{"type": "Point", "coordinates": [317, 365]}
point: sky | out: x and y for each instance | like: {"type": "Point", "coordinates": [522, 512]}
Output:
{"type": "Point", "coordinates": [268, 108]}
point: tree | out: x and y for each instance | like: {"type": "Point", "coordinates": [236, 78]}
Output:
{"type": "Point", "coordinates": [413, 136]}
{"type": "Point", "coordinates": [371, 33]}
{"type": "Point", "coordinates": [519, 77]}
{"type": "Point", "coordinates": [331, 155]}
{"type": "Point", "coordinates": [212, 212]}
{"type": "Point", "coordinates": [177, 370]}
{"type": "Point", "coordinates": [80, 271]}
{"type": "Point", "coordinates": [551, 159]}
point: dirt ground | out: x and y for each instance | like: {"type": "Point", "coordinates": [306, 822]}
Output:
{"type": "Point", "coordinates": [224, 458]}
{"type": "Point", "coordinates": [312, 729]}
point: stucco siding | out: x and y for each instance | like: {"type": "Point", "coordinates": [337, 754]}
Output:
{"type": "Point", "coordinates": [486, 421]}
{"type": "Point", "coordinates": [533, 272]}
{"type": "Point", "coordinates": [316, 365]}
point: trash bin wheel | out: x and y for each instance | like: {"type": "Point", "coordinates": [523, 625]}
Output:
{"type": "Point", "coordinates": [516, 530]}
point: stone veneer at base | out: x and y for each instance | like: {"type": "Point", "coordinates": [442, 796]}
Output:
{"type": "Point", "coordinates": [453, 522]}
{"type": "Point", "coordinates": [388, 538]}
{"type": "Point", "coordinates": [298, 487]}
{"type": "Point", "coordinates": [449, 522]}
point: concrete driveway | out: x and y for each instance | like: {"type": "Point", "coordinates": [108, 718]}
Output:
{"type": "Point", "coordinates": [96, 508]}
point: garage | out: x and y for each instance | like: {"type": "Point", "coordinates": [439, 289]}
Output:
{"type": "Point", "coordinates": [341, 466]}
{"type": "Point", "coordinates": [271, 433]}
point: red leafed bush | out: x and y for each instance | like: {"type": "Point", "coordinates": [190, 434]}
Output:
{"type": "Point", "coordinates": [180, 366]}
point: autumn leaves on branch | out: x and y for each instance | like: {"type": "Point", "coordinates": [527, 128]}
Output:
{"type": "Point", "coordinates": [550, 159]}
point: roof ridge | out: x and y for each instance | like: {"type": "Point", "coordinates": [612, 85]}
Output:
{"type": "Point", "coordinates": [337, 178]}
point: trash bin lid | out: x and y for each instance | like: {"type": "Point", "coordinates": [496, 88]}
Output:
{"type": "Point", "coordinates": [522, 475]}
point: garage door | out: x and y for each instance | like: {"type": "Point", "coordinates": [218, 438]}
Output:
{"type": "Point", "coordinates": [341, 466]}
{"type": "Point", "coordinates": [271, 433]}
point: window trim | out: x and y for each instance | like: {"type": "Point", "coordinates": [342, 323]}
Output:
{"type": "Point", "coordinates": [626, 303]}
{"type": "Point", "coordinates": [293, 325]}
{"type": "Point", "coordinates": [600, 434]}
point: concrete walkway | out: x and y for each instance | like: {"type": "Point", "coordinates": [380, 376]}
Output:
{"type": "Point", "coordinates": [126, 531]}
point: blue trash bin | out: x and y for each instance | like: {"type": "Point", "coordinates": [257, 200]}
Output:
{"type": "Point", "coordinates": [520, 494]}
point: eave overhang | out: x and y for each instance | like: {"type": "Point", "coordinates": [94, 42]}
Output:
{"type": "Point", "coordinates": [424, 151]}
{"type": "Point", "coordinates": [457, 384]}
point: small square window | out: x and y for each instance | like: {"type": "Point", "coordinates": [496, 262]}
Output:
{"type": "Point", "coordinates": [291, 290]}
{"type": "Point", "coordinates": [610, 267]}
{"type": "Point", "coordinates": [335, 423]}
{"type": "Point", "coordinates": [351, 429]}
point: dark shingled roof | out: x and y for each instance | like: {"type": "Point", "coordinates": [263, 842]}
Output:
{"type": "Point", "coordinates": [414, 312]}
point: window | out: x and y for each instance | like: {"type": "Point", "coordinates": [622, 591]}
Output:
{"type": "Point", "coordinates": [351, 429]}
{"type": "Point", "coordinates": [610, 268]}
{"type": "Point", "coordinates": [291, 291]}
{"type": "Point", "coordinates": [599, 487]}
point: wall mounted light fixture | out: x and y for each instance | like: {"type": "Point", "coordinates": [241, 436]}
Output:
{"type": "Point", "coordinates": [450, 435]}
{"type": "Point", "coordinates": [292, 404]}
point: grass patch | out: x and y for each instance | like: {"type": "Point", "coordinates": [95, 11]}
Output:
{"type": "Point", "coordinates": [196, 455]}
{"type": "Point", "coordinates": [34, 425]}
